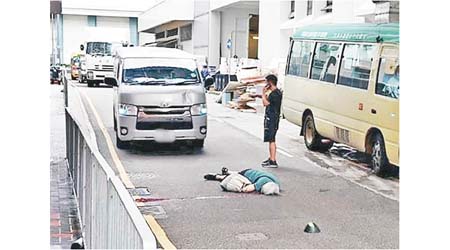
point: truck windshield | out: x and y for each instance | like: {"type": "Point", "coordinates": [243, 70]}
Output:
{"type": "Point", "coordinates": [98, 48]}
{"type": "Point", "coordinates": [160, 71]}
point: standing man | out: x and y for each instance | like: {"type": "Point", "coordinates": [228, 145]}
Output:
{"type": "Point", "coordinates": [205, 71]}
{"type": "Point", "coordinates": [271, 98]}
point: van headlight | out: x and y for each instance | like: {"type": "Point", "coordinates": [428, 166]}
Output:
{"type": "Point", "coordinates": [127, 109]}
{"type": "Point", "coordinates": [199, 109]}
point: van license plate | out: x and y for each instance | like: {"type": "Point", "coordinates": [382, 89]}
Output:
{"type": "Point", "coordinates": [164, 136]}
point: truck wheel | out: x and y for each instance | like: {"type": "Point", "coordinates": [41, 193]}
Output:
{"type": "Point", "coordinates": [311, 137]}
{"type": "Point", "coordinates": [380, 162]}
{"type": "Point", "coordinates": [122, 144]}
{"type": "Point", "coordinates": [90, 83]}
{"type": "Point", "coordinates": [198, 143]}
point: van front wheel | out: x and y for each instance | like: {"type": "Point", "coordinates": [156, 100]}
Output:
{"type": "Point", "coordinates": [198, 143]}
{"type": "Point", "coordinates": [122, 144]}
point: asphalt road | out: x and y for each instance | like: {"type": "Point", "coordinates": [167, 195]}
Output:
{"type": "Point", "coordinates": [352, 208]}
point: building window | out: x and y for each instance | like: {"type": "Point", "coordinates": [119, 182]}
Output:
{"type": "Point", "coordinates": [92, 21]}
{"type": "Point", "coordinates": [160, 35]}
{"type": "Point", "coordinates": [309, 7]}
{"type": "Point", "coordinates": [172, 32]}
{"type": "Point", "coordinates": [355, 66]}
{"type": "Point", "coordinates": [292, 12]}
{"type": "Point", "coordinates": [324, 65]}
{"type": "Point", "coordinates": [388, 80]}
{"type": "Point", "coordinates": [328, 6]}
{"type": "Point", "coordinates": [300, 58]}
{"type": "Point", "coordinates": [186, 33]}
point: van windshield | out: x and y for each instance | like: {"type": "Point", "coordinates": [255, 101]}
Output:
{"type": "Point", "coordinates": [160, 71]}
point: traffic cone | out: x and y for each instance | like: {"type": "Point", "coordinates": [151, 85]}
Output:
{"type": "Point", "coordinates": [311, 228]}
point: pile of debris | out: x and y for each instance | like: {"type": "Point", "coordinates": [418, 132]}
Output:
{"type": "Point", "coordinates": [244, 80]}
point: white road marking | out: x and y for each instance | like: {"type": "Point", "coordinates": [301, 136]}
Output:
{"type": "Point", "coordinates": [283, 152]}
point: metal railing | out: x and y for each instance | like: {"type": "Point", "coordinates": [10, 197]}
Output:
{"type": "Point", "coordinates": [109, 217]}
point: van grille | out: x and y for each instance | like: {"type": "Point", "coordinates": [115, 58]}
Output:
{"type": "Point", "coordinates": [151, 118]}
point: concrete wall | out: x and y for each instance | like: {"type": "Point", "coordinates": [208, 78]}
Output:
{"type": "Point", "coordinates": [166, 11]}
{"type": "Point", "coordinates": [269, 29]}
{"type": "Point", "coordinates": [234, 26]}
{"type": "Point", "coordinates": [200, 35]}
{"type": "Point", "coordinates": [73, 35]}
{"type": "Point", "coordinates": [200, 28]}
{"type": "Point", "coordinates": [146, 38]}
{"type": "Point", "coordinates": [216, 4]}
{"type": "Point", "coordinates": [214, 38]}
{"type": "Point", "coordinates": [76, 31]}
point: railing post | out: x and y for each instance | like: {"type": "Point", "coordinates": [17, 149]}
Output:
{"type": "Point", "coordinates": [66, 94]}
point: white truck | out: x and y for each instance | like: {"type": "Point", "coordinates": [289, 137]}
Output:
{"type": "Point", "coordinates": [98, 48]}
{"type": "Point", "coordinates": [98, 61]}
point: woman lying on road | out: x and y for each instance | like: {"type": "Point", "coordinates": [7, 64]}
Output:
{"type": "Point", "coordinates": [247, 181]}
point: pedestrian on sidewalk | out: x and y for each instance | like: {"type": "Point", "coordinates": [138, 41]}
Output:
{"type": "Point", "coordinates": [247, 181]}
{"type": "Point", "coordinates": [271, 99]}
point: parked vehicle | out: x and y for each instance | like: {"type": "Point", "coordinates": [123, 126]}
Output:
{"type": "Point", "coordinates": [55, 74]}
{"type": "Point", "coordinates": [83, 69]}
{"type": "Point", "coordinates": [75, 67]}
{"type": "Point", "coordinates": [342, 84]}
{"type": "Point", "coordinates": [158, 96]}
{"type": "Point", "coordinates": [99, 62]}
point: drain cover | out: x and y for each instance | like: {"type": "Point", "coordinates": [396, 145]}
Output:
{"type": "Point", "coordinates": [156, 210]}
{"type": "Point", "coordinates": [252, 236]}
{"type": "Point", "coordinates": [140, 191]}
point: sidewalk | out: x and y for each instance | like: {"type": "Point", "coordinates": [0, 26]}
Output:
{"type": "Point", "coordinates": [64, 223]}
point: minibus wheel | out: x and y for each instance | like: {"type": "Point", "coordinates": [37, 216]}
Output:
{"type": "Point", "coordinates": [312, 138]}
{"type": "Point", "coordinates": [90, 83]}
{"type": "Point", "coordinates": [122, 144]}
{"type": "Point", "coordinates": [380, 161]}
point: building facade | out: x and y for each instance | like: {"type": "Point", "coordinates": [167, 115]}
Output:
{"type": "Point", "coordinates": [80, 21]}
{"type": "Point", "coordinates": [216, 29]}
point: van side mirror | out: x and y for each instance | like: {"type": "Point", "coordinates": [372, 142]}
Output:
{"type": "Point", "coordinates": [111, 81]}
{"type": "Point", "coordinates": [209, 81]}
{"type": "Point", "coordinates": [81, 47]}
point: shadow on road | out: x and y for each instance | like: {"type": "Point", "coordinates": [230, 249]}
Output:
{"type": "Point", "coordinates": [157, 149]}
{"type": "Point", "coordinates": [360, 158]}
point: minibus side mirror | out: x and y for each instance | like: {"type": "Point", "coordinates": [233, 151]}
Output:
{"type": "Point", "coordinates": [209, 81]}
{"type": "Point", "coordinates": [111, 81]}
{"type": "Point", "coordinates": [81, 47]}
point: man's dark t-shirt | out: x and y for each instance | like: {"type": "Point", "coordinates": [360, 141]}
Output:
{"type": "Point", "coordinates": [273, 109]}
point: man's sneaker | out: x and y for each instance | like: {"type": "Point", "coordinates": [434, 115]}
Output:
{"type": "Point", "coordinates": [265, 163]}
{"type": "Point", "coordinates": [224, 171]}
{"type": "Point", "coordinates": [271, 164]}
{"type": "Point", "coordinates": [210, 177]}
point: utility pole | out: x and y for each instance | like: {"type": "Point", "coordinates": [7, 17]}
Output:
{"type": "Point", "coordinates": [55, 12]}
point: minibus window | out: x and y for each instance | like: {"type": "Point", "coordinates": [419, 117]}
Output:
{"type": "Point", "coordinates": [388, 80]}
{"type": "Point", "coordinates": [324, 64]}
{"type": "Point", "coordinates": [355, 66]}
{"type": "Point", "coordinates": [300, 58]}
{"type": "Point", "coordinates": [294, 62]}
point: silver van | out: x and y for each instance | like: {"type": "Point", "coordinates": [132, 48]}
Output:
{"type": "Point", "coordinates": [159, 96]}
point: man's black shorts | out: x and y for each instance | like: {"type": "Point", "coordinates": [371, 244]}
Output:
{"type": "Point", "coordinates": [270, 129]}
